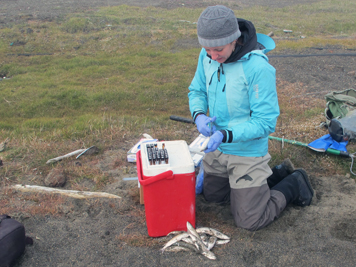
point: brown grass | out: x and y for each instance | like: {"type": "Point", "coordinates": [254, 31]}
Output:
{"type": "Point", "coordinates": [301, 118]}
{"type": "Point", "coordinates": [296, 105]}
{"type": "Point", "coordinates": [12, 202]}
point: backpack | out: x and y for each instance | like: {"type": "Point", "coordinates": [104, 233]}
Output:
{"type": "Point", "coordinates": [12, 240]}
{"type": "Point", "coordinates": [340, 114]}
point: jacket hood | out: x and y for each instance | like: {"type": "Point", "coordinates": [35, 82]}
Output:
{"type": "Point", "coordinates": [248, 38]}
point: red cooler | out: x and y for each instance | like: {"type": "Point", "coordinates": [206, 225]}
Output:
{"type": "Point", "coordinates": [168, 187]}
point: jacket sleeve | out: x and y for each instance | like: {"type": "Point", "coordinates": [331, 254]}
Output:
{"type": "Point", "coordinates": [264, 109]}
{"type": "Point", "coordinates": [198, 99]}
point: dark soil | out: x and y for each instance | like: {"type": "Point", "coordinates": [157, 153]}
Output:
{"type": "Point", "coordinates": [106, 232]}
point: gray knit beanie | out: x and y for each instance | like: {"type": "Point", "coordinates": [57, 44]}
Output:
{"type": "Point", "coordinates": [217, 26]}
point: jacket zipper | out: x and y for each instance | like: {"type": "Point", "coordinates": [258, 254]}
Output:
{"type": "Point", "coordinates": [222, 71]}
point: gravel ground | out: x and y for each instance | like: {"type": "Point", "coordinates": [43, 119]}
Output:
{"type": "Point", "coordinates": [101, 232]}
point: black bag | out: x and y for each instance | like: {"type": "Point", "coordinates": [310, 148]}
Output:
{"type": "Point", "coordinates": [12, 240]}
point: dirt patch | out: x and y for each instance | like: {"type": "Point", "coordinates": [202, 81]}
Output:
{"type": "Point", "coordinates": [106, 232]}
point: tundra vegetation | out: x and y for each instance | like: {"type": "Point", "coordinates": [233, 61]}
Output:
{"type": "Point", "coordinates": [103, 77]}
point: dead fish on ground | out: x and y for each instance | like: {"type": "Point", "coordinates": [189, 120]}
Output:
{"type": "Point", "coordinates": [182, 246]}
{"type": "Point", "coordinates": [174, 240]}
{"type": "Point", "coordinates": [200, 240]}
{"type": "Point", "coordinates": [175, 233]}
{"type": "Point", "coordinates": [211, 242]}
{"type": "Point", "coordinates": [202, 248]}
{"type": "Point", "coordinates": [212, 232]}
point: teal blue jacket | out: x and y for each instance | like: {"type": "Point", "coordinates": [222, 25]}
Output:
{"type": "Point", "coordinates": [243, 97]}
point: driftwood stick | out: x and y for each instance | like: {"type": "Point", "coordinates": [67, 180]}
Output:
{"type": "Point", "coordinates": [69, 193]}
{"type": "Point", "coordinates": [65, 156]}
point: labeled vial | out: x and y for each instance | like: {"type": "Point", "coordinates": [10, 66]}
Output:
{"type": "Point", "coordinates": [166, 157]}
{"type": "Point", "coordinates": [162, 155]}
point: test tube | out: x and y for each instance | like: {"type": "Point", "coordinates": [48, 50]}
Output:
{"type": "Point", "coordinates": [154, 158]}
{"type": "Point", "coordinates": [166, 156]}
{"type": "Point", "coordinates": [149, 153]}
{"type": "Point", "coordinates": [162, 155]}
{"type": "Point", "coordinates": [158, 156]}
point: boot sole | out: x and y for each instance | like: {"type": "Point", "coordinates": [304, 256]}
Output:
{"type": "Point", "coordinates": [306, 179]}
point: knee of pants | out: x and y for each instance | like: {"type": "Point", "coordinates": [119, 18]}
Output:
{"type": "Point", "coordinates": [246, 224]}
{"type": "Point", "coordinates": [250, 215]}
{"type": "Point", "coordinates": [216, 189]}
{"type": "Point", "coordinates": [242, 221]}
{"type": "Point", "coordinates": [217, 197]}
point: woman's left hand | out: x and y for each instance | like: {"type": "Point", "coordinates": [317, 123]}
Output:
{"type": "Point", "coordinates": [214, 142]}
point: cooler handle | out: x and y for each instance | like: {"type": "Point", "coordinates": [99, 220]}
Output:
{"type": "Point", "coordinates": [158, 177]}
{"type": "Point", "coordinates": [161, 176]}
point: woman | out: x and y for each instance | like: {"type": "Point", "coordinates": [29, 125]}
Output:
{"type": "Point", "coordinates": [237, 86]}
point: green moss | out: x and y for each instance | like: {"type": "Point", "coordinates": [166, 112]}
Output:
{"type": "Point", "coordinates": [120, 59]}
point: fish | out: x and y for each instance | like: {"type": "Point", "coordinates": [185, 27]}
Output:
{"type": "Point", "coordinates": [191, 247]}
{"type": "Point", "coordinates": [211, 242]}
{"type": "Point", "coordinates": [210, 255]}
{"type": "Point", "coordinates": [174, 240]}
{"type": "Point", "coordinates": [204, 238]}
{"type": "Point", "coordinates": [222, 241]}
{"type": "Point", "coordinates": [188, 240]}
{"type": "Point", "coordinates": [191, 230]}
{"type": "Point", "coordinates": [200, 240]}
{"type": "Point", "coordinates": [203, 249]}
{"type": "Point", "coordinates": [175, 233]}
{"type": "Point", "coordinates": [213, 232]}
{"type": "Point", "coordinates": [177, 249]}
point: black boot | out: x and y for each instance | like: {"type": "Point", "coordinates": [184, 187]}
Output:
{"type": "Point", "coordinates": [296, 188]}
{"type": "Point", "coordinates": [279, 172]}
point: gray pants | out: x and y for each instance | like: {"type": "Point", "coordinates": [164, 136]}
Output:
{"type": "Point", "coordinates": [243, 182]}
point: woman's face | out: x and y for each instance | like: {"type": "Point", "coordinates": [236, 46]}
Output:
{"type": "Point", "coordinates": [221, 53]}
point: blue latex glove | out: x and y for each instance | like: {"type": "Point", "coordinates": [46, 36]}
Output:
{"type": "Point", "coordinates": [202, 122]}
{"type": "Point", "coordinates": [214, 142]}
{"type": "Point", "coordinates": [200, 180]}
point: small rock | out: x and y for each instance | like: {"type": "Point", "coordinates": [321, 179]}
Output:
{"type": "Point", "coordinates": [55, 178]}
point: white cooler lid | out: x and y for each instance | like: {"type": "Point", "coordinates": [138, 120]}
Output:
{"type": "Point", "coordinates": [180, 160]}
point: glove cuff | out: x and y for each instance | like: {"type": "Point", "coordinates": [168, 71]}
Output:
{"type": "Point", "coordinates": [196, 114]}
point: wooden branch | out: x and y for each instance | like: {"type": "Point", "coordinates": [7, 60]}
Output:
{"type": "Point", "coordinates": [69, 193]}
{"type": "Point", "coordinates": [65, 156]}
